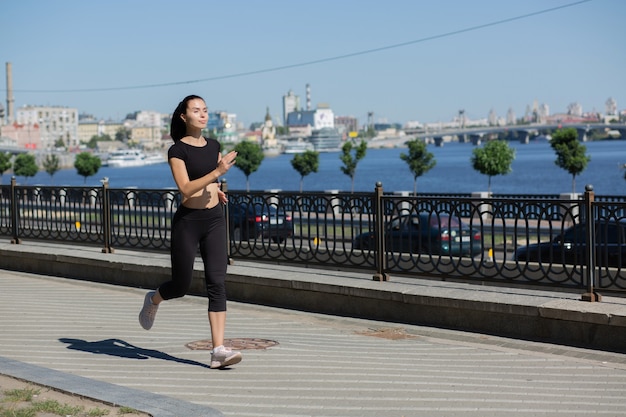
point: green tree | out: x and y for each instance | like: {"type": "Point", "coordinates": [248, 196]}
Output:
{"type": "Point", "coordinates": [123, 134]}
{"type": "Point", "coordinates": [420, 161]}
{"type": "Point", "coordinates": [494, 158]}
{"type": "Point", "coordinates": [368, 133]}
{"type": "Point", "coordinates": [571, 155]}
{"type": "Point", "coordinates": [87, 164]}
{"type": "Point", "coordinates": [305, 163]}
{"type": "Point", "coordinates": [5, 163]}
{"type": "Point", "coordinates": [59, 143]}
{"type": "Point", "coordinates": [93, 142]}
{"type": "Point", "coordinates": [249, 158]}
{"type": "Point", "coordinates": [51, 165]}
{"type": "Point", "coordinates": [349, 161]}
{"type": "Point", "coordinates": [25, 166]}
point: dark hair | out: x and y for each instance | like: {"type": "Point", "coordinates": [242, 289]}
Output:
{"type": "Point", "coordinates": [178, 129]}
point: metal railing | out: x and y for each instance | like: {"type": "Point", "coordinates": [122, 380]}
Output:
{"type": "Point", "coordinates": [329, 230]}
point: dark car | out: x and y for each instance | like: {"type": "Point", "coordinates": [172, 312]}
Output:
{"type": "Point", "coordinates": [248, 221]}
{"type": "Point", "coordinates": [425, 233]}
{"type": "Point", "coordinates": [570, 247]}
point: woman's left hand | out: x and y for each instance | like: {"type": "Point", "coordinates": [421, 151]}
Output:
{"type": "Point", "coordinates": [221, 195]}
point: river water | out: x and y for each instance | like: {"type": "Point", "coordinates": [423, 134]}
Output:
{"type": "Point", "coordinates": [534, 172]}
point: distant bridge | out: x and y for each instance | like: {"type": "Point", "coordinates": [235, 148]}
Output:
{"type": "Point", "coordinates": [522, 132]}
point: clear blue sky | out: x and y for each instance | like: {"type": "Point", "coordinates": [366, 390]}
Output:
{"type": "Point", "coordinates": [64, 51]}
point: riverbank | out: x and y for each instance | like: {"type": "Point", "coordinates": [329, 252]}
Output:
{"type": "Point", "coordinates": [534, 172]}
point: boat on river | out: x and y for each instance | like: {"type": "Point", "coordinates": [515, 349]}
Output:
{"type": "Point", "coordinates": [326, 140]}
{"type": "Point", "coordinates": [297, 146]}
{"type": "Point", "coordinates": [126, 158]}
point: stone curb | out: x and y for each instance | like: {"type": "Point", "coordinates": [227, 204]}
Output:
{"type": "Point", "coordinates": [147, 402]}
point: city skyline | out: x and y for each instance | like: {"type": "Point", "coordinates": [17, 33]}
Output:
{"type": "Point", "coordinates": [108, 59]}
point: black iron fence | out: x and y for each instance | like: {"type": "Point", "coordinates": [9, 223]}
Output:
{"type": "Point", "coordinates": [567, 241]}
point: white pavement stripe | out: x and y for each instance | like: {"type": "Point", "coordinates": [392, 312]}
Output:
{"type": "Point", "coordinates": [322, 366]}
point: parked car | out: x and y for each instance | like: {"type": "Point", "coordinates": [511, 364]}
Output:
{"type": "Point", "coordinates": [570, 247]}
{"type": "Point", "coordinates": [249, 221]}
{"type": "Point", "coordinates": [425, 233]}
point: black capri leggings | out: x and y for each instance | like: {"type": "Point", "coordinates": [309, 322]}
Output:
{"type": "Point", "coordinates": [190, 228]}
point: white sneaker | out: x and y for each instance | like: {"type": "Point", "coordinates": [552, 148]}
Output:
{"type": "Point", "coordinates": [222, 357]}
{"type": "Point", "coordinates": [148, 312]}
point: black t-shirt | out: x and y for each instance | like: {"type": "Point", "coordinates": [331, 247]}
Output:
{"type": "Point", "coordinates": [198, 160]}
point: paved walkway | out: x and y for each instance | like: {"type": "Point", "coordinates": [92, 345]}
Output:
{"type": "Point", "coordinates": [84, 337]}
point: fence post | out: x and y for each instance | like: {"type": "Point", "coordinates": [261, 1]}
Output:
{"type": "Point", "coordinates": [224, 187]}
{"type": "Point", "coordinates": [590, 248]}
{"type": "Point", "coordinates": [106, 216]}
{"type": "Point", "coordinates": [334, 202]}
{"type": "Point", "coordinates": [14, 212]}
{"type": "Point", "coordinates": [379, 224]}
{"type": "Point", "coordinates": [484, 210]}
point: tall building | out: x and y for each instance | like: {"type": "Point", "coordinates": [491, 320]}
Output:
{"type": "Point", "coordinates": [54, 124]}
{"type": "Point", "coordinates": [147, 129]}
{"type": "Point", "coordinates": [323, 117]}
{"type": "Point", "coordinates": [575, 109]}
{"type": "Point", "coordinates": [510, 117]}
{"type": "Point", "coordinates": [224, 125]}
{"type": "Point", "coordinates": [544, 112]}
{"type": "Point", "coordinates": [291, 103]}
{"type": "Point", "coordinates": [300, 122]}
{"type": "Point", "coordinates": [611, 107]}
{"type": "Point", "coordinates": [347, 123]}
{"type": "Point", "coordinates": [304, 122]}
{"type": "Point", "coordinates": [88, 128]}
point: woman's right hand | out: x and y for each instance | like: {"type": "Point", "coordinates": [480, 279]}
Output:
{"type": "Point", "coordinates": [226, 162]}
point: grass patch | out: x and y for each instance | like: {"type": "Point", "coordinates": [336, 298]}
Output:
{"type": "Point", "coordinates": [128, 410]}
{"type": "Point", "coordinates": [55, 407]}
{"type": "Point", "coordinates": [17, 395]}
{"type": "Point", "coordinates": [23, 403]}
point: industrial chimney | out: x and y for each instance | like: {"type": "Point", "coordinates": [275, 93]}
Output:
{"type": "Point", "coordinates": [10, 99]}
{"type": "Point", "coordinates": [308, 97]}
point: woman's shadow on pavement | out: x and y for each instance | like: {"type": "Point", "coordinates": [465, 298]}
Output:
{"type": "Point", "coordinates": [122, 349]}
